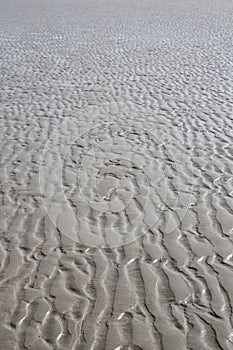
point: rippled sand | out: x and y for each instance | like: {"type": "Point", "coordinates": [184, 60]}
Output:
{"type": "Point", "coordinates": [116, 171]}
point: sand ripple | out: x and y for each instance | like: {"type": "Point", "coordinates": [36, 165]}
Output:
{"type": "Point", "coordinates": [116, 174]}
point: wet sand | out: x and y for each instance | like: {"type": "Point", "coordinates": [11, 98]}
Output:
{"type": "Point", "coordinates": [116, 173]}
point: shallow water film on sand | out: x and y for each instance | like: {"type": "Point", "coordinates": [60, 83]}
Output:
{"type": "Point", "coordinates": [116, 175]}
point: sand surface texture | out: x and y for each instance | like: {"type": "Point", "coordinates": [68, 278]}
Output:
{"type": "Point", "coordinates": [116, 170]}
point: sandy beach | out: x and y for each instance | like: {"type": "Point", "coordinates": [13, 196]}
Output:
{"type": "Point", "coordinates": [116, 175]}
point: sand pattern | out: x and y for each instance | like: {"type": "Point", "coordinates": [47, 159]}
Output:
{"type": "Point", "coordinates": [116, 175]}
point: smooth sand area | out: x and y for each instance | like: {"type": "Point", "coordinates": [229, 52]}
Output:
{"type": "Point", "coordinates": [116, 173]}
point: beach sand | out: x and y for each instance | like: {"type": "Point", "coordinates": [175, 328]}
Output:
{"type": "Point", "coordinates": [116, 172]}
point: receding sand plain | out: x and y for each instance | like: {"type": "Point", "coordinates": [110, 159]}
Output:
{"type": "Point", "coordinates": [116, 171]}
